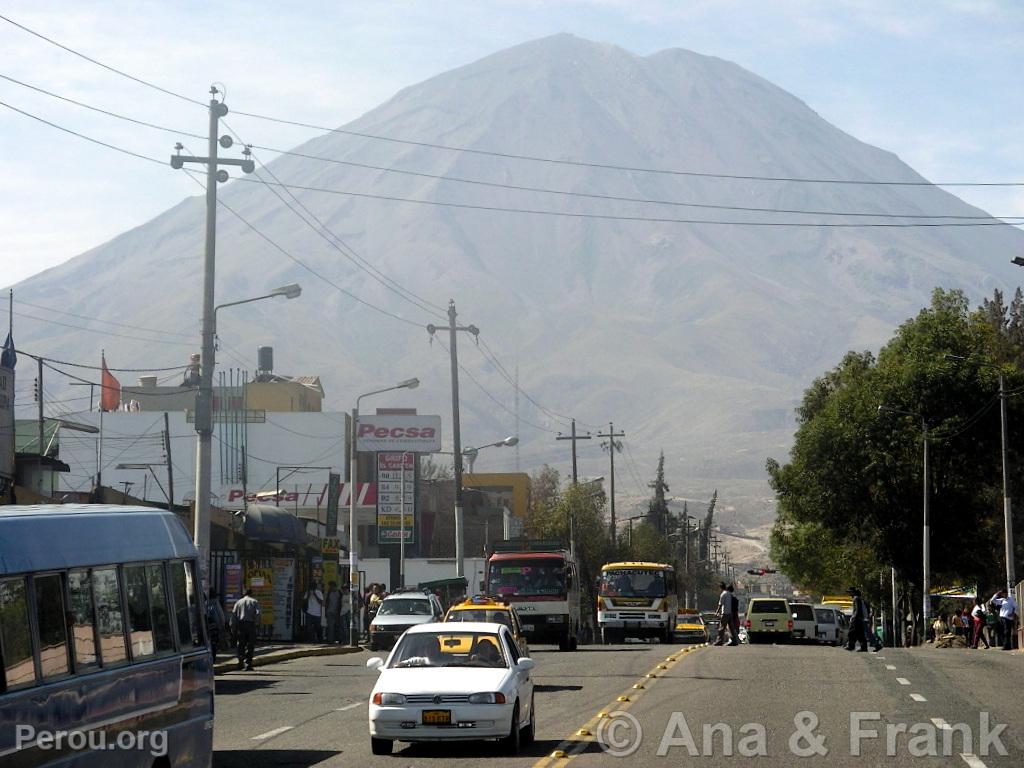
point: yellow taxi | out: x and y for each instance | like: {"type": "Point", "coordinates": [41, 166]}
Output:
{"type": "Point", "coordinates": [491, 610]}
{"type": "Point", "coordinates": [690, 627]}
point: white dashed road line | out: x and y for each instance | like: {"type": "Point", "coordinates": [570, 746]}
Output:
{"type": "Point", "coordinates": [973, 761]}
{"type": "Point", "coordinates": [271, 734]}
{"type": "Point", "coordinates": [918, 697]}
{"type": "Point", "coordinates": [890, 666]}
{"type": "Point", "coordinates": [347, 707]}
{"type": "Point", "coordinates": [902, 681]}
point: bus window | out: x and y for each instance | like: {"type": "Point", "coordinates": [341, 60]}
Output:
{"type": "Point", "coordinates": [108, 616]}
{"type": "Point", "coordinates": [162, 638]}
{"type": "Point", "coordinates": [82, 627]}
{"type": "Point", "coordinates": [52, 625]}
{"type": "Point", "coordinates": [185, 610]}
{"type": "Point", "coordinates": [140, 620]}
{"type": "Point", "coordinates": [15, 645]}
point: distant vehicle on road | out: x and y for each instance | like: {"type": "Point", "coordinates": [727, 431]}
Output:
{"type": "Point", "coordinates": [636, 599]}
{"type": "Point", "coordinates": [540, 579]}
{"type": "Point", "coordinates": [804, 625]}
{"type": "Point", "coordinates": [690, 627]}
{"type": "Point", "coordinates": [102, 633]}
{"type": "Point", "coordinates": [829, 624]}
{"type": "Point", "coordinates": [399, 611]}
{"type": "Point", "coordinates": [448, 682]}
{"type": "Point", "coordinates": [487, 609]}
{"type": "Point", "coordinates": [769, 619]}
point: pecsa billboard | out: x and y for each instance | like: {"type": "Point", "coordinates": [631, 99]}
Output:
{"type": "Point", "coordinates": [399, 432]}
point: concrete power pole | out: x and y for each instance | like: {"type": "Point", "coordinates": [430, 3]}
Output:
{"type": "Point", "coordinates": [574, 437]}
{"type": "Point", "coordinates": [453, 332]}
{"type": "Point", "coordinates": [613, 446]}
{"type": "Point", "coordinates": [204, 399]}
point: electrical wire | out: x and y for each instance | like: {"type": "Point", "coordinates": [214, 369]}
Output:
{"type": "Point", "coordinates": [99, 367]}
{"type": "Point", "coordinates": [51, 321]}
{"type": "Point", "coordinates": [100, 320]}
{"type": "Point", "coordinates": [510, 155]}
{"type": "Point", "coordinates": [491, 184]}
{"type": "Point", "coordinates": [620, 217]}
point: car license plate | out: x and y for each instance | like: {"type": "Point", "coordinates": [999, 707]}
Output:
{"type": "Point", "coordinates": [437, 717]}
{"type": "Point", "coordinates": [769, 623]}
{"type": "Point", "coordinates": [527, 627]}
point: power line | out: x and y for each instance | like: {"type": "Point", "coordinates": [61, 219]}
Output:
{"type": "Point", "coordinates": [347, 251]}
{"type": "Point", "coordinates": [51, 321]}
{"type": "Point", "coordinates": [492, 184]}
{"type": "Point", "coordinates": [100, 320]}
{"type": "Point", "coordinates": [301, 263]}
{"type": "Point", "coordinates": [98, 63]}
{"type": "Point", "coordinates": [492, 358]}
{"type": "Point", "coordinates": [514, 156]}
{"type": "Point", "coordinates": [619, 217]}
{"type": "Point", "coordinates": [99, 367]}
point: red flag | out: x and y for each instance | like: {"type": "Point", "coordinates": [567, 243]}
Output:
{"type": "Point", "coordinates": [110, 396]}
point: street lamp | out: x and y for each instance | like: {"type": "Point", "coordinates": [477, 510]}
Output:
{"type": "Point", "coordinates": [353, 574]}
{"type": "Point", "coordinates": [204, 421]}
{"type": "Point", "coordinates": [1007, 505]}
{"type": "Point", "coordinates": [926, 544]}
{"type": "Point", "coordinates": [472, 453]}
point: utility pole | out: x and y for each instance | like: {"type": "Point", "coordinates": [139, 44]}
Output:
{"type": "Point", "coordinates": [926, 545]}
{"type": "Point", "coordinates": [204, 398]}
{"type": "Point", "coordinates": [453, 331]}
{"type": "Point", "coordinates": [1011, 578]}
{"type": "Point", "coordinates": [42, 422]}
{"type": "Point", "coordinates": [574, 437]}
{"type": "Point", "coordinates": [170, 470]}
{"type": "Point", "coordinates": [613, 445]}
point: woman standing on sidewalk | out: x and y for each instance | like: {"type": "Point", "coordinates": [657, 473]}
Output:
{"type": "Point", "coordinates": [978, 620]}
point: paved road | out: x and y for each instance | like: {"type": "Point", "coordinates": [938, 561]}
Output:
{"type": "Point", "coordinates": [312, 712]}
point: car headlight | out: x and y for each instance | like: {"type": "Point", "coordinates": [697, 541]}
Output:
{"type": "Point", "coordinates": [486, 698]}
{"type": "Point", "coordinates": [388, 699]}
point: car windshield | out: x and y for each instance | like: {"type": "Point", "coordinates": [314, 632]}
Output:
{"type": "Point", "coordinates": [803, 612]}
{"type": "Point", "coordinates": [768, 606]}
{"type": "Point", "coordinates": [689, 618]}
{"type": "Point", "coordinates": [404, 606]}
{"type": "Point", "coordinates": [633, 582]}
{"type": "Point", "coordinates": [824, 616]}
{"type": "Point", "coordinates": [481, 614]}
{"type": "Point", "coordinates": [527, 577]}
{"type": "Point", "coordinates": [449, 649]}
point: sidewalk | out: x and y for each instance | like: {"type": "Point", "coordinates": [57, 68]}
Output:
{"type": "Point", "coordinates": [273, 653]}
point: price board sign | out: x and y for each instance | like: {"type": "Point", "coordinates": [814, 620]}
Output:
{"type": "Point", "coordinates": [396, 473]}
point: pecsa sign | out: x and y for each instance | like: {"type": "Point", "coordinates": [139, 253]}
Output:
{"type": "Point", "coordinates": [417, 434]}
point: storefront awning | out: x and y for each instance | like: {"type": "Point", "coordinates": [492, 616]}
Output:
{"type": "Point", "coordinates": [265, 522]}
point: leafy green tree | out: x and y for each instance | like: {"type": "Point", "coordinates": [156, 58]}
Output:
{"type": "Point", "coordinates": [850, 496]}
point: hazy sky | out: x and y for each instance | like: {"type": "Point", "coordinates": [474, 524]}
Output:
{"type": "Point", "coordinates": [937, 82]}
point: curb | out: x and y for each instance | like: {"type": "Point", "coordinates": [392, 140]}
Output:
{"type": "Point", "coordinates": [277, 656]}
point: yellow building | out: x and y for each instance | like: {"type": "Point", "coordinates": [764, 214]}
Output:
{"type": "Point", "coordinates": [281, 393]}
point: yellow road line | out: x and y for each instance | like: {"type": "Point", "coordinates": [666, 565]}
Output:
{"type": "Point", "coordinates": [585, 734]}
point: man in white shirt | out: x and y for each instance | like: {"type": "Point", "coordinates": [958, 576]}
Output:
{"type": "Point", "coordinates": [1007, 616]}
{"type": "Point", "coordinates": [725, 617]}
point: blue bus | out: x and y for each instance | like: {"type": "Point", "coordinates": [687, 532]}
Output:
{"type": "Point", "coordinates": [103, 650]}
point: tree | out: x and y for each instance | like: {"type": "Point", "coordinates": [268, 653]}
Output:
{"type": "Point", "coordinates": [849, 498]}
{"type": "Point", "coordinates": [657, 508]}
{"type": "Point", "coordinates": [647, 543]}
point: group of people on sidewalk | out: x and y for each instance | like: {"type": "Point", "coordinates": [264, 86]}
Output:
{"type": "Point", "coordinates": [974, 626]}
{"type": "Point", "coordinates": [327, 616]}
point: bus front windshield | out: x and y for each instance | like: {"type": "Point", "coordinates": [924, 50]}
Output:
{"type": "Point", "coordinates": [528, 578]}
{"type": "Point", "coordinates": [633, 582]}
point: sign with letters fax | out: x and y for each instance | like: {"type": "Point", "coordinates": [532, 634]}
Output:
{"type": "Point", "coordinates": [390, 469]}
{"type": "Point", "coordinates": [398, 432]}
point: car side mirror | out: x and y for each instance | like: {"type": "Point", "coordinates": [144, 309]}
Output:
{"type": "Point", "coordinates": [525, 664]}
{"type": "Point", "coordinates": [375, 663]}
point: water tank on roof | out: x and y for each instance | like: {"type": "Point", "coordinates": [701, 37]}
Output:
{"type": "Point", "coordinates": [265, 357]}
{"type": "Point", "coordinates": [148, 382]}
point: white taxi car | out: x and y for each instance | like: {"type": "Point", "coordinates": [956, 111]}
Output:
{"type": "Point", "coordinates": [443, 682]}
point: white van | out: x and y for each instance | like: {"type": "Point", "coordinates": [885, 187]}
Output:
{"type": "Point", "coordinates": [829, 625]}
